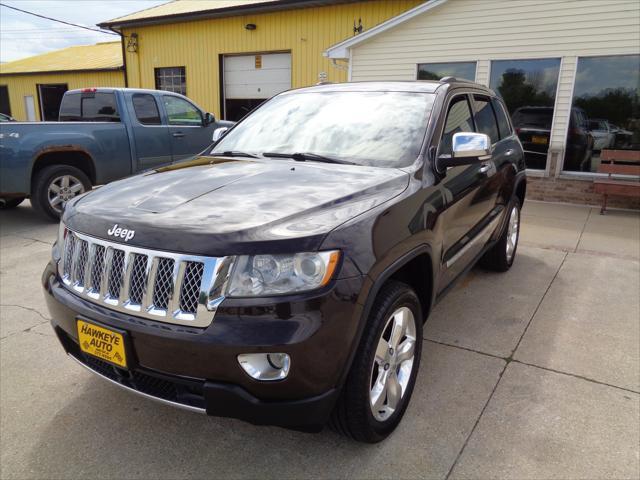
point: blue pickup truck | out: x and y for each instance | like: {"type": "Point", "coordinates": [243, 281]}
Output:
{"type": "Point", "coordinates": [103, 134]}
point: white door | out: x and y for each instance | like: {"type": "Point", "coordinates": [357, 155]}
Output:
{"type": "Point", "coordinates": [251, 79]}
{"type": "Point", "coordinates": [30, 108]}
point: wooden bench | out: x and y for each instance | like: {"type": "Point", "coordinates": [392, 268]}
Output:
{"type": "Point", "coordinates": [617, 162]}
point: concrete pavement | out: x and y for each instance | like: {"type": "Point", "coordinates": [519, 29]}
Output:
{"type": "Point", "coordinates": [530, 374]}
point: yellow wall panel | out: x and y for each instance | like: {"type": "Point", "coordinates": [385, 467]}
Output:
{"type": "Point", "coordinates": [198, 45]}
{"type": "Point", "coordinates": [20, 86]}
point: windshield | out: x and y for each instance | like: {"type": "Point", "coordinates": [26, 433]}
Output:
{"type": "Point", "coordinates": [383, 129]}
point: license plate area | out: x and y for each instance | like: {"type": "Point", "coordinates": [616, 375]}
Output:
{"type": "Point", "coordinates": [539, 140]}
{"type": "Point", "coordinates": [107, 344]}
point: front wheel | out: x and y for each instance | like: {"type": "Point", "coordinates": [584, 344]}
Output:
{"type": "Point", "coordinates": [502, 254]}
{"type": "Point", "coordinates": [54, 186]}
{"type": "Point", "coordinates": [383, 374]}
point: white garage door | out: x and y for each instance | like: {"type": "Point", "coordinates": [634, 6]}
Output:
{"type": "Point", "coordinates": [256, 76]}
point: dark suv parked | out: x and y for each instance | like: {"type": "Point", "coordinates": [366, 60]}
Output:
{"type": "Point", "coordinates": [284, 277]}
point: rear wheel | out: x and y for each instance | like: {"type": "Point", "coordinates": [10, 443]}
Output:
{"type": "Point", "coordinates": [501, 256]}
{"type": "Point", "coordinates": [54, 186]}
{"type": "Point", "coordinates": [383, 374]}
{"type": "Point", "coordinates": [8, 203]}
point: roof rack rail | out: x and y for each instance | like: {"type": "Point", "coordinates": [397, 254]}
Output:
{"type": "Point", "coordinates": [454, 79]}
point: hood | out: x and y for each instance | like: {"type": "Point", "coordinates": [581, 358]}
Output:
{"type": "Point", "coordinates": [222, 206]}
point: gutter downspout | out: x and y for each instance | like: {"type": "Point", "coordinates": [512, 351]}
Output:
{"type": "Point", "coordinates": [124, 56]}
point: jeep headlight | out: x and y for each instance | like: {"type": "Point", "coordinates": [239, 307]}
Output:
{"type": "Point", "coordinates": [264, 275]}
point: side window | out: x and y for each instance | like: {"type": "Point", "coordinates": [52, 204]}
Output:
{"type": "Point", "coordinates": [146, 109]}
{"type": "Point", "coordinates": [459, 119]}
{"type": "Point", "coordinates": [503, 122]}
{"type": "Point", "coordinates": [181, 112]}
{"type": "Point", "coordinates": [485, 118]}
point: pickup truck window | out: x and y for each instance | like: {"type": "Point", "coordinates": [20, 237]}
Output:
{"type": "Point", "coordinates": [89, 107]}
{"type": "Point", "coordinates": [146, 109]}
{"type": "Point", "coordinates": [459, 119]}
{"type": "Point", "coordinates": [485, 118]}
{"type": "Point", "coordinates": [382, 129]}
{"type": "Point", "coordinates": [181, 112]}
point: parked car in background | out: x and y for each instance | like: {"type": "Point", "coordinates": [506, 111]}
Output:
{"type": "Point", "coordinates": [580, 143]}
{"type": "Point", "coordinates": [284, 276]}
{"type": "Point", "coordinates": [533, 126]}
{"type": "Point", "coordinates": [6, 118]}
{"type": "Point", "coordinates": [623, 138]}
{"type": "Point", "coordinates": [103, 134]}
{"type": "Point", "coordinates": [603, 135]}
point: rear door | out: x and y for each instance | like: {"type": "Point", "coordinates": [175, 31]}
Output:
{"type": "Point", "coordinates": [469, 196]}
{"type": "Point", "coordinates": [151, 136]}
{"type": "Point", "coordinates": [188, 132]}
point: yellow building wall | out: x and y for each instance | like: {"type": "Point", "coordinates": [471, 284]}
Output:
{"type": "Point", "coordinates": [197, 45]}
{"type": "Point", "coordinates": [20, 86]}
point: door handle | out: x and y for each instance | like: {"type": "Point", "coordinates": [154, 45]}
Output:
{"type": "Point", "coordinates": [485, 168]}
{"type": "Point", "coordinates": [178, 134]}
{"type": "Point", "coordinates": [509, 152]}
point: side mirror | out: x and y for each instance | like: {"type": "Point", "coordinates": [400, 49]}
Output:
{"type": "Point", "coordinates": [209, 119]}
{"type": "Point", "coordinates": [468, 148]}
{"type": "Point", "coordinates": [218, 133]}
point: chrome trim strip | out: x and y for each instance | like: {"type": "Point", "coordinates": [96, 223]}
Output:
{"type": "Point", "coordinates": [214, 279]}
{"type": "Point", "coordinates": [189, 408]}
{"type": "Point", "coordinates": [489, 229]}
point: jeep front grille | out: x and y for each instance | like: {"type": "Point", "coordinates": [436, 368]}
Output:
{"type": "Point", "coordinates": [163, 286]}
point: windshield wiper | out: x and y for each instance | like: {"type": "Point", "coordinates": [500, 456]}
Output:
{"type": "Point", "coordinates": [303, 157]}
{"type": "Point", "coordinates": [233, 153]}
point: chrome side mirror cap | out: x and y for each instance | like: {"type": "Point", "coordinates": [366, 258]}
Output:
{"type": "Point", "coordinates": [218, 133]}
{"type": "Point", "coordinates": [472, 146]}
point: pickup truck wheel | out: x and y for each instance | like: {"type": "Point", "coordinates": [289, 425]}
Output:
{"type": "Point", "coordinates": [382, 376]}
{"type": "Point", "coordinates": [501, 256]}
{"type": "Point", "coordinates": [54, 186]}
{"type": "Point", "coordinates": [7, 203]}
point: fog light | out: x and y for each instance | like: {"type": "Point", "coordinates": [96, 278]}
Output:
{"type": "Point", "coordinates": [265, 366]}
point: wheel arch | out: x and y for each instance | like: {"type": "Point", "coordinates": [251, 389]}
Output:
{"type": "Point", "coordinates": [402, 269]}
{"type": "Point", "coordinates": [72, 156]}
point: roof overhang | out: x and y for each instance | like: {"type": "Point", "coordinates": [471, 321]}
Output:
{"type": "Point", "coordinates": [341, 50]}
{"type": "Point", "coordinates": [61, 72]}
{"type": "Point", "coordinates": [253, 8]}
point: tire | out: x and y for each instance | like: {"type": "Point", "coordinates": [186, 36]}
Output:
{"type": "Point", "coordinates": [501, 256]}
{"type": "Point", "coordinates": [353, 415]}
{"type": "Point", "coordinates": [51, 177]}
{"type": "Point", "coordinates": [9, 203]}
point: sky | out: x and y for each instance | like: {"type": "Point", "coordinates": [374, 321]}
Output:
{"type": "Point", "coordinates": [23, 35]}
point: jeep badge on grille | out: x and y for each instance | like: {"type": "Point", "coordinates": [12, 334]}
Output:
{"type": "Point", "coordinates": [125, 233]}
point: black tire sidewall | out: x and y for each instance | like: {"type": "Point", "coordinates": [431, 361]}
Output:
{"type": "Point", "coordinates": [43, 179]}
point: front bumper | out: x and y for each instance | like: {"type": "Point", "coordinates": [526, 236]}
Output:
{"type": "Point", "coordinates": [198, 369]}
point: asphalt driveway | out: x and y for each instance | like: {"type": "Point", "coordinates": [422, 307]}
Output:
{"type": "Point", "coordinates": [530, 374]}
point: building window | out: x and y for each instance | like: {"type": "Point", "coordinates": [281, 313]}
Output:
{"type": "Point", "coordinates": [605, 111]}
{"type": "Point", "coordinates": [435, 71]}
{"type": "Point", "coordinates": [172, 79]}
{"type": "Point", "coordinates": [528, 88]}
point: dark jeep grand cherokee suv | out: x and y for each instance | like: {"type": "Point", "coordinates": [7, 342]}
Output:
{"type": "Point", "coordinates": [284, 277]}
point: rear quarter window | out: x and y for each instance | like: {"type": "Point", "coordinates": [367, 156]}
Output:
{"type": "Point", "coordinates": [503, 122]}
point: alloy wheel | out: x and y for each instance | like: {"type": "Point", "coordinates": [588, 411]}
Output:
{"type": "Point", "coordinates": [392, 364]}
{"type": "Point", "coordinates": [62, 189]}
{"type": "Point", "coordinates": [512, 232]}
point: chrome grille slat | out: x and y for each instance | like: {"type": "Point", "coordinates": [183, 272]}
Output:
{"type": "Point", "coordinates": [163, 286]}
